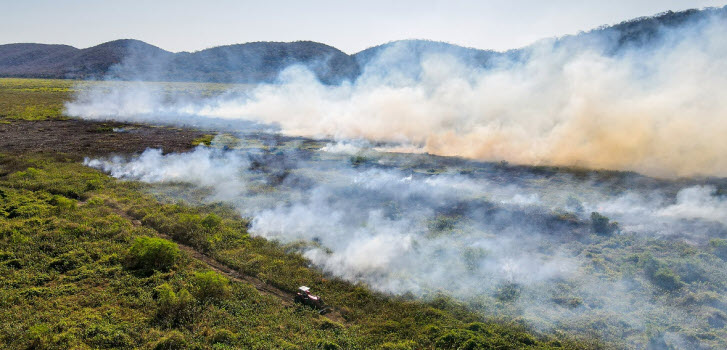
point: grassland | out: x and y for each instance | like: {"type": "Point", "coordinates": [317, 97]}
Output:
{"type": "Point", "coordinates": [87, 261]}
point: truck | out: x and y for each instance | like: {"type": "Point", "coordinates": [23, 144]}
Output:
{"type": "Point", "coordinates": [305, 297]}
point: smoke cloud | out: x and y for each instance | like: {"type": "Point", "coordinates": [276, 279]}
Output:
{"type": "Point", "coordinates": [620, 255]}
{"type": "Point", "coordinates": [658, 109]}
{"type": "Point", "coordinates": [520, 246]}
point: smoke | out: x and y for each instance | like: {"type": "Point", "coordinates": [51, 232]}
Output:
{"type": "Point", "coordinates": [505, 239]}
{"type": "Point", "coordinates": [374, 225]}
{"type": "Point", "coordinates": [658, 109]}
{"type": "Point", "coordinates": [520, 245]}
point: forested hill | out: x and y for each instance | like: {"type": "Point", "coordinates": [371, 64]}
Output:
{"type": "Point", "coordinates": [263, 61]}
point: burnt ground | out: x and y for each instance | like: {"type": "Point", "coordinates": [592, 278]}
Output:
{"type": "Point", "coordinates": [77, 138]}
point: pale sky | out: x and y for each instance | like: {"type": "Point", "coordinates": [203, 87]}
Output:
{"type": "Point", "coordinates": [191, 25]}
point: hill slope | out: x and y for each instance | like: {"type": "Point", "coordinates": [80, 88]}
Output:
{"type": "Point", "coordinates": [133, 59]}
{"type": "Point", "coordinates": [263, 61]}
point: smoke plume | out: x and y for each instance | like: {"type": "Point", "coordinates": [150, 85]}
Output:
{"type": "Point", "coordinates": [631, 258]}
{"type": "Point", "coordinates": [522, 245]}
{"type": "Point", "coordinates": [658, 109]}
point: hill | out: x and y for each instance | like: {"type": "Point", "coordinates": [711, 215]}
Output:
{"type": "Point", "coordinates": [134, 59]}
{"type": "Point", "coordinates": [616, 38]}
{"type": "Point", "coordinates": [263, 61]}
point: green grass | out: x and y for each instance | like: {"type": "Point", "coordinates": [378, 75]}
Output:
{"type": "Point", "coordinates": [33, 99]}
{"type": "Point", "coordinates": [76, 272]}
{"type": "Point", "coordinates": [205, 140]}
{"type": "Point", "coordinates": [43, 99]}
{"type": "Point", "coordinates": [83, 265]}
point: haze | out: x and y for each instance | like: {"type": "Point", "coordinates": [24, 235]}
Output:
{"type": "Point", "coordinates": [187, 25]}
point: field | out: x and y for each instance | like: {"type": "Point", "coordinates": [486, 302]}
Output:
{"type": "Point", "coordinates": [120, 235]}
{"type": "Point", "coordinates": [89, 261]}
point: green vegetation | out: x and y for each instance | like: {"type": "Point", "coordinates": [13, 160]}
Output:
{"type": "Point", "coordinates": [83, 265]}
{"type": "Point", "coordinates": [43, 99]}
{"type": "Point", "coordinates": [601, 225]}
{"type": "Point", "coordinates": [358, 160]}
{"type": "Point", "coordinates": [719, 247]}
{"type": "Point", "coordinates": [87, 261]}
{"type": "Point", "coordinates": [33, 99]}
{"type": "Point", "coordinates": [149, 254]}
{"type": "Point", "coordinates": [210, 286]}
{"type": "Point", "coordinates": [205, 140]}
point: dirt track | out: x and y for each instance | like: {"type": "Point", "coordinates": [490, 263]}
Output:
{"type": "Point", "coordinates": [264, 288]}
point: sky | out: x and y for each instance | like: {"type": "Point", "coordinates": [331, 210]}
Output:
{"type": "Point", "coordinates": [191, 25]}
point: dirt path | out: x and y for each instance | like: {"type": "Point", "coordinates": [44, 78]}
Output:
{"type": "Point", "coordinates": [265, 288]}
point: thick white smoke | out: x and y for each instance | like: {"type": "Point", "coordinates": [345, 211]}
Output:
{"type": "Point", "coordinates": [658, 109]}
{"type": "Point", "coordinates": [512, 242]}
{"type": "Point", "coordinates": [402, 232]}
{"type": "Point", "coordinates": [361, 239]}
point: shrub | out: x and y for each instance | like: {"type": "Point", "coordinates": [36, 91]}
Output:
{"type": "Point", "coordinates": [601, 225]}
{"type": "Point", "coordinates": [508, 292]}
{"type": "Point", "coordinates": [357, 160]}
{"type": "Point", "coordinates": [402, 345]}
{"type": "Point", "coordinates": [149, 253]}
{"type": "Point", "coordinates": [665, 278]}
{"type": "Point", "coordinates": [659, 274]}
{"type": "Point", "coordinates": [63, 264]}
{"type": "Point", "coordinates": [325, 345]}
{"type": "Point", "coordinates": [173, 341]}
{"type": "Point", "coordinates": [223, 336]}
{"type": "Point", "coordinates": [63, 203]}
{"type": "Point", "coordinates": [39, 336]}
{"type": "Point", "coordinates": [719, 248]}
{"type": "Point", "coordinates": [210, 286]}
{"type": "Point", "coordinates": [460, 339]}
{"type": "Point", "coordinates": [174, 309]}
{"type": "Point", "coordinates": [211, 221]}
{"type": "Point", "coordinates": [13, 264]}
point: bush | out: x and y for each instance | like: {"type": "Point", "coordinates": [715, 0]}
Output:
{"type": "Point", "coordinates": [210, 286]}
{"type": "Point", "coordinates": [402, 345]}
{"type": "Point", "coordinates": [211, 221]}
{"type": "Point", "coordinates": [63, 264]}
{"type": "Point", "coordinates": [223, 336]}
{"type": "Point", "coordinates": [719, 248]}
{"type": "Point", "coordinates": [149, 253]}
{"type": "Point", "coordinates": [357, 160]}
{"type": "Point", "coordinates": [659, 274]}
{"type": "Point", "coordinates": [666, 278]}
{"type": "Point", "coordinates": [601, 225]}
{"type": "Point", "coordinates": [173, 341]}
{"type": "Point", "coordinates": [508, 292]}
{"type": "Point", "coordinates": [460, 339]}
{"type": "Point", "coordinates": [325, 345]}
{"type": "Point", "coordinates": [174, 309]}
{"type": "Point", "coordinates": [63, 203]}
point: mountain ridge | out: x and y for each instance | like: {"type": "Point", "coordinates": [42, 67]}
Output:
{"type": "Point", "coordinates": [262, 61]}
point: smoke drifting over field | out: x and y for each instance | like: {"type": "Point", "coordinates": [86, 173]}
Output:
{"type": "Point", "coordinates": [518, 241]}
{"type": "Point", "coordinates": [658, 109]}
{"type": "Point", "coordinates": [377, 223]}
{"type": "Point", "coordinates": [521, 245]}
